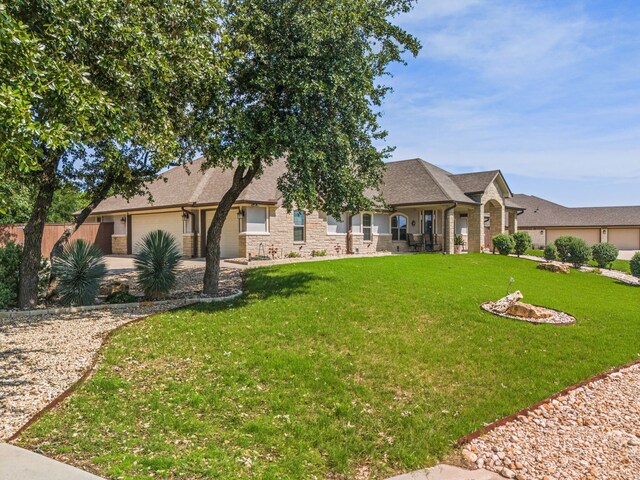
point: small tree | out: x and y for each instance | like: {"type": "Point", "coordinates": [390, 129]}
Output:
{"type": "Point", "coordinates": [604, 254]}
{"type": "Point", "coordinates": [579, 252]}
{"type": "Point", "coordinates": [504, 243]}
{"type": "Point", "coordinates": [634, 264]}
{"type": "Point", "coordinates": [550, 252]}
{"type": "Point", "coordinates": [563, 244]}
{"type": "Point", "coordinates": [522, 242]}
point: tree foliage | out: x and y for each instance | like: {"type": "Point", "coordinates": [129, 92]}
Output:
{"type": "Point", "coordinates": [303, 82]}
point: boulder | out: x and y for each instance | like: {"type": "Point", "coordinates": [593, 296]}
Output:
{"type": "Point", "coordinates": [525, 310]}
{"type": "Point", "coordinates": [504, 303]}
{"type": "Point", "coordinates": [113, 287]}
{"type": "Point", "coordinates": [553, 267]}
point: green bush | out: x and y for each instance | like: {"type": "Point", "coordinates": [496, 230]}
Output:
{"type": "Point", "coordinates": [10, 257]}
{"type": "Point", "coordinates": [634, 264]}
{"type": "Point", "coordinates": [550, 252]}
{"type": "Point", "coordinates": [604, 254]}
{"type": "Point", "coordinates": [318, 253]}
{"type": "Point", "coordinates": [503, 243]}
{"type": "Point", "coordinates": [293, 255]}
{"type": "Point", "coordinates": [79, 271]}
{"type": "Point", "coordinates": [121, 297]}
{"type": "Point", "coordinates": [156, 263]}
{"type": "Point", "coordinates": [563, 244]}
{"type": "Point", "coordinates": [579, 252]}
{"type": "Point", "coordinates": [522, 242]}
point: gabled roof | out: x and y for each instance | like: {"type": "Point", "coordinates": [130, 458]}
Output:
{"type": "Point", "coordinates": [543, 213]}
{"type": "Point", "coordinates": [406, 182]}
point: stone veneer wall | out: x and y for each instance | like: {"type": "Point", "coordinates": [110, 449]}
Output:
{"type": "Point", "coordinates": [119, 244]}
{"type": "Point", "coordinates": [187, 244]}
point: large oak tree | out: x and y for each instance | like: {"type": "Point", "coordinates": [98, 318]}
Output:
{"type": "Point", "coordinates": [97, 93]}
{"type": "Point", "coordinates": [304, 83]}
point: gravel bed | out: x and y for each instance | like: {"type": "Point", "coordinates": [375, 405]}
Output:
{"type": "Point", "coordinates": [40, 357]}
{"type": "Point", "coordinates": [592, 432]}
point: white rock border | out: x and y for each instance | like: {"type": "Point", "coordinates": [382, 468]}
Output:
{"type": "Point", "coordinates": [11, 314]}
{"type": "Point", "coordinates": [560, 318]}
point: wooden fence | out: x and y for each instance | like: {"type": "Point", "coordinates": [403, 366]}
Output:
{"type": "Point", "coordinates": [98, 234]}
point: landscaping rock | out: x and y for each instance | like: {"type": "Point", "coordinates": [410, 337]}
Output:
{"type": "Point", "coordinates": [525, 310]}
{"type": "Point", "coordinates": [113, 287]}
{"type": "Point", "coordinates": [554, 267]}
{"type": "Point", "coordinates": [505, 303]}
{"type": "Point", "coordinates": [511, 307]}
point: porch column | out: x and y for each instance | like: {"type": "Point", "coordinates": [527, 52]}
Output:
{"type": "Point", "coordinates": [475, 237]}
{"type": "Point", "coordinates": [496, 216]}
{"type": "Point", "coordinates": [513, 222]}
{"type": "Point", "coordinates": [449, 225]}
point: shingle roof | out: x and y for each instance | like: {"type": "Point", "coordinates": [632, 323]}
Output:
{"type": "Point", "coordinates": [543, 213]}
{"type": "Point", "coordinates": [184, 187]}
{"type": "Point", "coordinates": [406, 182]}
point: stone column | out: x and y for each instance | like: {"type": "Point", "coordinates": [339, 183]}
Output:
{"type": "Point", "coordinates": [513, 222]}
{"type": "Point", "coordinates": [449, 225]}
{"type": "Point", "coordinates": [475, 239]}
{"type": "Point", "coordinates": [496, 219]}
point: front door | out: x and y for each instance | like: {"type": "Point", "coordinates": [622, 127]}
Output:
{"type": "Point", "coordinates": [428, 224]}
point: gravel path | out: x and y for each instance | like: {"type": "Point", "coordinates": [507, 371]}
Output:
{"type": "Point", "coordinates": [592, 432]}
{"type": "Point", "coordinates": [40, 357]}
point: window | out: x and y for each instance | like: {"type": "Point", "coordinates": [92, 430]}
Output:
{"type": "Point", "coordinates": [366, 226]}
{"type": "Point", "coordinates": [399, 228]}
{"type": "Point", "coordinates": [256, 219]}
{"type": "Point", "coordinates": [298, 226]}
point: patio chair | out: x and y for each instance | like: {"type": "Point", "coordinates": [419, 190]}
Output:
{"type": "Point", "coordinates": [414, 241]}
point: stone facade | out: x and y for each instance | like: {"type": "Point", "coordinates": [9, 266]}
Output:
{"type": "Point", "coordinates": [188, 244]}
{"type": "Point", "coordinates": [119, 244]}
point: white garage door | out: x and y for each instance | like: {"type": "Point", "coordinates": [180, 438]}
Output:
{"type": "Point", "coordinates": [589, 235]}
{"type": "Point", "coordinates": [229, 242]}
{"type": "Point", "coordinates": [143, 224]}
{"type": "Point", "coordinates": [625, 238]}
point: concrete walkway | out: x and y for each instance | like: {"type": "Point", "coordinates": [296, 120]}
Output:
{"type": "Point", "coordinates": [19, 464]}
{"type": "Point", "coordinates": [124, 263]}
{"type": "Point", "coordinates": [448, 472]}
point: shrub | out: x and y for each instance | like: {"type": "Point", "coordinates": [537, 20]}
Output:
{"type": "Point", "coordinates": [10, 257]}
{"type": "Point", "coordinates": [563, 244]}
{"type": "Point", "coordinates": [121, 297]}
{"type": "Point", "coordinates": [504, 243]}
{"type": "Point", "coordinates": [550, 252]}
{"type": "Point", "coordinates": [79, 271]}
{"type": "Point", "coordinates": [293, 255]}
{"type": "Point", "coordinates": [156, 263]}
{"type": "Point", "coordinates": [634, 264]}
{"type": "Point", "coordinates": [522, 242]}
{"type": "Point", "coordinates": [318, 253]}
{"type": "Point", "coordinates": [604, 254]}
{"type": "Point", "coordinates": [458, 240]}
{"type": "Point", "coordinates": [579, 252]}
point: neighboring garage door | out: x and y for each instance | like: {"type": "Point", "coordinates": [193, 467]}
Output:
{"type": "Point", "coordinates": [589, 235]}
{"type": "Point", "coordinates": [143, 224]}
{"type": "Point", "coordinates": [625, 238]}
{"type": "Point", "coordinates": [229, 242]}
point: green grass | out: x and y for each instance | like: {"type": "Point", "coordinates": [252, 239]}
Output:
{"type": "Point", "coordinates": [324, 369]}
{"type": "Point", "coordinates": [620, 265]}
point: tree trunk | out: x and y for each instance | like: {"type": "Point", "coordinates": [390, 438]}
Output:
{"type": "Point", "coordinates": [96, 198]}
{"type": "Point", "coordinates": [31, 253]}
{"type": "Point", "coordinates": [241, 178]}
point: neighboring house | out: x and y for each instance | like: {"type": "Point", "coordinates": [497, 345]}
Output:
{"type": "Point", "coordinates": [425, 204]}
{"type": "Point", "coordinates": [545, 221]}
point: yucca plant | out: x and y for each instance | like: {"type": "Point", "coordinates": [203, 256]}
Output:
{"type": "Point", "coordinates": [156, 263]}
{"type": "Point", "coordinates": [79, 271]}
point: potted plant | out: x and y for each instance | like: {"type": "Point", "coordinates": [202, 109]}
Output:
{"type": "Point", "coordinates": [458, 243]}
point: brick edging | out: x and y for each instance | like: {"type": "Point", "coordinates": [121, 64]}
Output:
{"type": "Point", "coordinates": [10, 314]}
{"type": "Point", "coordinates": [96, 356]}
{"type": "Point", "coordinates": [504, 420]}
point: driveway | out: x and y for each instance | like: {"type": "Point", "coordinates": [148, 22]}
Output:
{"type": "Point", "coordinates": [124, 263]}
{"type": "Point", "coordinates": [626, 254]}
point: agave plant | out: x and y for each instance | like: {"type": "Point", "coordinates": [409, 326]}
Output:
{"type": "Point", "coordinates": [156, 263]}
{"type": "Point", "coordinates": [79, 271]}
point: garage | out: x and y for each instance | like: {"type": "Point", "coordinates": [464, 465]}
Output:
{"type": "Point", "coordinates": [143, 224]}
{"type": "Point", "coordinates": [625, 238]}
{"type": "Point", "coordinates": [229, 242]}
{"type": "Point", "coordinates": [589, 235]}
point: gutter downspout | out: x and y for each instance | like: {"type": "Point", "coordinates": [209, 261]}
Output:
{"type": "Point", "coordinates": [446, 230]}
{"type": "Point", "coordinates": [194, 235]}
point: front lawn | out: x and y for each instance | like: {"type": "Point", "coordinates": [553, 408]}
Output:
{"type": "Point", "coordinates": [335, 369]}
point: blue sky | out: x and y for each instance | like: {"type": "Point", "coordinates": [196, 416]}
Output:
{"type": "Point", "coordinates": [546, 91]}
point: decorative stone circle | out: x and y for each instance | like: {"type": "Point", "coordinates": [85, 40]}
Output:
{"type": "Point", "coordinates": [511, 307]}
